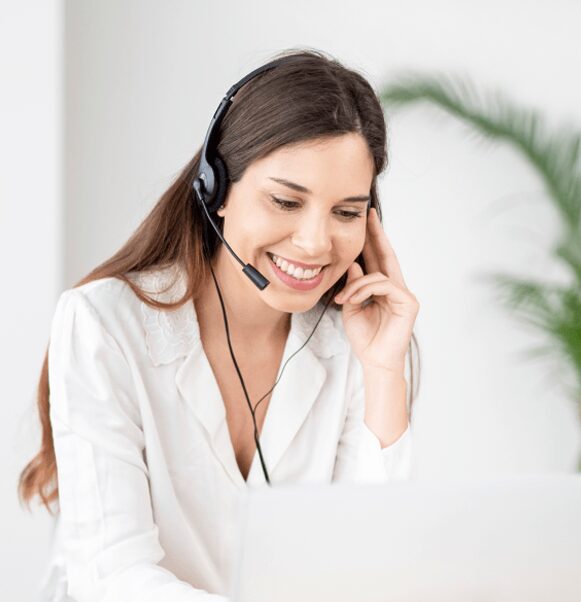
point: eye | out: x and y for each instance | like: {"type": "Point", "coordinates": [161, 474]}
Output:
{"type": "Point", "coordinates": [290, 205]}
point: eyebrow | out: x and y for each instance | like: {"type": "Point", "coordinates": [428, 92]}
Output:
{"type": "Point", "coordinates": [360, 198]}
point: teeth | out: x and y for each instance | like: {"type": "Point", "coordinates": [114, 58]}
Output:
{"type": "Point", "coordinates": [294, 271]}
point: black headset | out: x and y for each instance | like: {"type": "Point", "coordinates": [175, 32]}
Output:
{"type": "Point", "coordinates": [211, 181]}
{"type": "Point", "coordinates": [210, 186]}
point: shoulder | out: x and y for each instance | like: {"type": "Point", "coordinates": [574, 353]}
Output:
{"type": "Point", "coordinates": [107, 294]}
{"type": "Point", "coordinates": [113, 302]}
{"type": "Point", "coordinates": [108, 299]}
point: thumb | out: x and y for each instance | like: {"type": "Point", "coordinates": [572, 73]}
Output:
{"type": "Point", "coordinates": [353, 272]}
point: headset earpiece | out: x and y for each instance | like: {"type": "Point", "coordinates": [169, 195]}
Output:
{"type": "Point", "coordinates": [221, 181]}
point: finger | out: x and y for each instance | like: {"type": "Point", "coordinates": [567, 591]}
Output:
{"type": "Point", "coordinates": [354, 271]}
{"type": "Point", "coordinates": [355, 285]}
{"type": "Point", "coordinates": [371, 261]}
{"type": "Point", "coordinates": [379, 289]}
{"type": "Point", "coordinates": [384, 251]}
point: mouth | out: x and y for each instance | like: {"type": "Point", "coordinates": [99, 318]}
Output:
{"type": "Point", "coordinates": [299, 273]}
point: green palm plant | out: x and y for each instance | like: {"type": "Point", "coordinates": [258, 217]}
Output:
{"type": "Point", "coordinates": [554, 310]}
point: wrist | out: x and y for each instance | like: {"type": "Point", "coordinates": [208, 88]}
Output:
{"type": "Point", "coordinates": [389, 370]}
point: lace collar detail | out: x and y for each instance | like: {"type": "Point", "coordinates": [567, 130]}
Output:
{"type": "Point", "coordinates": [173, 334]}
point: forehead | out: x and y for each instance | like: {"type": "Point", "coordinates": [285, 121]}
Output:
{"type": "Point", "coordinates": [335, 166]}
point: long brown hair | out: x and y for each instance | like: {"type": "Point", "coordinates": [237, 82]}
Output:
{"type": "Point", "coordinates": [312, 97]}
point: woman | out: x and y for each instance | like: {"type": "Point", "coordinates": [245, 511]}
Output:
{"type": "Point", "coordinates": [147, 434]}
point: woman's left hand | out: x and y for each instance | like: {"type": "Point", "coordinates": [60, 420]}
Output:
{"type": "Point", "coordinates": [381, 331]}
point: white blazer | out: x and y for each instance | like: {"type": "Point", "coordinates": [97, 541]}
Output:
{"type": "Point", "coordinates": [148, 481]}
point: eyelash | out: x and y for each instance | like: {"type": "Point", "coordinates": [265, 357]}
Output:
{"type": "Point", "coordinates": [284, 205]}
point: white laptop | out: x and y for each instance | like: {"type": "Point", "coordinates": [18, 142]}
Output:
{"type": "Point", "coordinates": [510, 538]}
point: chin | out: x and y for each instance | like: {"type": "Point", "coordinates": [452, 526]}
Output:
{"type": "Point", "coordinates": [292, 305]}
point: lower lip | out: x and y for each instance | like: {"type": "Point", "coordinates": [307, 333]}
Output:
{"type": "Point", "coordinates": [299, 285]}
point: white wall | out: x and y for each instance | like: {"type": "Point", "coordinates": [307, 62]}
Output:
{"type": "Point", "coordinates": [32, 263]}
{"type": "Point", "coordinates": [143, 79]}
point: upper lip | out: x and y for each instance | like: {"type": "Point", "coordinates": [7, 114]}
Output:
{"type": "Point", "coordinates": [300, 264]}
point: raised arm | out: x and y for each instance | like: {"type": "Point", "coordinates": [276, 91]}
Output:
{"type": "Point", "coordinates": [360, 457]}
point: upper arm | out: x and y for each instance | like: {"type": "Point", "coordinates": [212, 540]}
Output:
{"type": "Point", "coordinates": [111, 543]}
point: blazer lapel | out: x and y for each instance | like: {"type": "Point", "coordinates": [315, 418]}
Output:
{"type": "Point", "coordinates": [175, 335]}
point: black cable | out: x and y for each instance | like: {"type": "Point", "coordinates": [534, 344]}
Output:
{"type": "Point", "coordinates": [252, 410]}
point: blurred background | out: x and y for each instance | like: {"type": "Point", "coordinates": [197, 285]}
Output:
{"type": "Point", "coordinates": [102, 103]}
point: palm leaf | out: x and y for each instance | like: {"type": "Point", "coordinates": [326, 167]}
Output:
{"type": "Point", "coordinates": [556, 157]}
{"type": "Point", "coordinates": [555, 154]}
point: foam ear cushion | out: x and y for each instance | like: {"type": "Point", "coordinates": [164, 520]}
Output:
{"type": "Point", "coordinates": [221, 182]}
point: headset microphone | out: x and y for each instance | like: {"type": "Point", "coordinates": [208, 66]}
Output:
{"type": "Point", "coordinates": [259, 280]}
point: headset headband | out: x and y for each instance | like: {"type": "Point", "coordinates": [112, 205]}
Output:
{"type": "Point", "coordinates": [209, 162]}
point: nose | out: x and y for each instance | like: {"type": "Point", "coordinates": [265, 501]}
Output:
{"type": "Point", "coordinates": [313, 237]}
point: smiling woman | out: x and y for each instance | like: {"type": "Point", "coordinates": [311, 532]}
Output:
{"type": "Point", "coordinates": [147, 444]}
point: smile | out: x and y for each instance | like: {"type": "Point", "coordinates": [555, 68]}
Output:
{"type": "Point", "coordinates": [296, 279]}
{"type": "Point", "coordinates": [297, 272]}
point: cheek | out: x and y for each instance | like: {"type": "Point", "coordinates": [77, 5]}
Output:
{"type": "Point", "coordinates": [351, 245]}
{"type": "Point", "coordinates": [263, 223]}
{"type": "Point", "coordinates": [254, 227]}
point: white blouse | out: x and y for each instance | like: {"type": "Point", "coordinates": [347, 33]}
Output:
{"type": "Point", "coordinates": [149, 486]}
